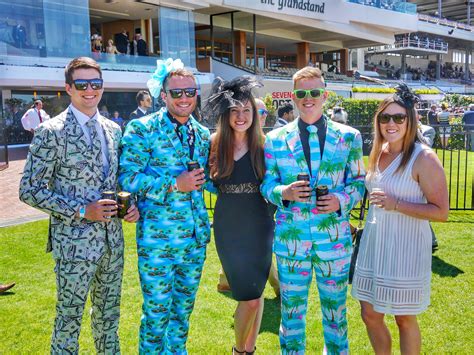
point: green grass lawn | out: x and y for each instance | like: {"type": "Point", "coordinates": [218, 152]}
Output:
{"type": "Point", "coordinates": [27, 313]}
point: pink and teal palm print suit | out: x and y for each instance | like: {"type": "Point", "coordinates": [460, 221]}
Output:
{"type": "Point", "coordinates": [307, 241]}
{"type": "Point", "coordinates": [173, 230]}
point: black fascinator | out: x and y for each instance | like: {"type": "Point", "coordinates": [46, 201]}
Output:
{"type": "Point", "coordinates": [405, 97]}
{"type": "Point", "coordinates": [225, 94]}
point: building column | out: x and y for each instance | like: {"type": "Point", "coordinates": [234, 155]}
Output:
{"type": "Point", "coordinates": [466, 64]}
{"type": "Point", "coordinates": [360, 59]}
{"type": "Point", "coordinates": [240, 47]}
{"type": "Point", "coordinates": [438, 66]}
{"type": "Point", "coordinates": [302, 55]}
{"type": "Point", "coordinates": [404, 65]}
{"type": "Point", "coordinates": [344, 61]}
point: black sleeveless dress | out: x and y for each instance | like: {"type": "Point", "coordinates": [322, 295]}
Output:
{"type": "Point", "coordinates": [243, 231]}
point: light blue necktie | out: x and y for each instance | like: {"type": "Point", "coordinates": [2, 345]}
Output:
{"type": "Point", "coordinates": [314, 152]}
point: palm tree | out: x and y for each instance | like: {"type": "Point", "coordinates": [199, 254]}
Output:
{"type": "Point", "coordinates": [332, 348]}
{"type": "Point", "coordinates": [333, 223]}
{"type": "Point", "coordinates": [306, 211]}
{"type": "Point", "coordinates": [318, 261]}
{"type": "Point", "coordinates": [294, 302]}
{"type": "Point", "coordinates": [348, 140]}
{"type": "Point", "coordinates": [341, 283]}
{"type": "Point", "coordinates": [292, 346]}
{"type": "Point", "coordinates": [325, 225]}
{"type": "Point", "coordinates": [329, 304]}
{"type": "Point", "coordinates": [292, 234]}
{"type": "Point", "coordinates": [355, 155]}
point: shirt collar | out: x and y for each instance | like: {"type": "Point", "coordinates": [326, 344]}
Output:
{"type": "Point", "coordinates": [81, 117]}
{"type": "Point", "coordinates": [144, 111]}
{"type": "Point", "coordinates": [320, 124]}
{"type": "Point", "coordinates": [175, 122]}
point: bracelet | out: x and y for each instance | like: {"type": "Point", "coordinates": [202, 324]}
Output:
{"type": "Point", "coordinates": [396, 204]}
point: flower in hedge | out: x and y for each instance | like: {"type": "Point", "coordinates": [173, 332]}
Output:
{"type": "Point", "coordinates": [163, 68]}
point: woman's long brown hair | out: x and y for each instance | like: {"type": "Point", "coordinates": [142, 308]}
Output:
{"type": "Point", "coordinates": [221, 161]}
{"type": "Point", "coordinates": [408, 140]}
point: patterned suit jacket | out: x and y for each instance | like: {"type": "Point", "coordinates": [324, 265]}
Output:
{"type": "Point", "coordinates": [152, 157]}
{"type": "Point", "coordinates": [299, 226]}
{"type": "Point", "coordinates": [61, 174]}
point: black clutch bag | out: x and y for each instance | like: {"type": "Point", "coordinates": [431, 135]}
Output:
{"type": "Point", "coordinates": [356, 235]}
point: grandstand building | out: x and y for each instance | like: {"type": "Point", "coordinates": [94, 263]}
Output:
{"type": "Point", "coordinates": [424, 42]}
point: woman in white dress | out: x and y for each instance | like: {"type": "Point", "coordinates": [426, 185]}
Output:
{"type": "Point", "coordinates": [407, 188]}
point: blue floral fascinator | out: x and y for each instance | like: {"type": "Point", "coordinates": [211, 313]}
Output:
{"type": "Point", "coordinates": [163, 68]}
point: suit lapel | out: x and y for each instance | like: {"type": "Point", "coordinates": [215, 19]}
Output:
{"type": "Point", "coordinates": [112, 154]}
{"type": "Point", "coordinates": [198, 143]}
{"type": "Point", "coordinates": [333, 136]}
{"type": "Point", "coordinates": [294, 144]}
{"type": "Point", "coordinates": [168, 129]}
{"type": "Point", "coordinates": [76, 135]}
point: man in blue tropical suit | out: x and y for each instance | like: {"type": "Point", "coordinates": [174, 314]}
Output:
{"type": "Point", "coordinates": [313, 236]}
{"type": "Point", "coordinates": [173, 231]}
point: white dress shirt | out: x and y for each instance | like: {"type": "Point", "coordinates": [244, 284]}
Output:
{"type": "Point", "coordinates": [31, 119]}
{"type": "Point", "coordinates": [82, 119]}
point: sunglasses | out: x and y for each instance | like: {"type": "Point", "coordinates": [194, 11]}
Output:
{"type": "Point", "coordinates": [314, 93]}
{"type": "Point", "coordinates": [177, 93]}
{"type": "Point", "coordinates": [82, 84]}
{"type": "Point", "coordinates": [262, 111]}
{"type": "Point", "coordinates": [385, 118]}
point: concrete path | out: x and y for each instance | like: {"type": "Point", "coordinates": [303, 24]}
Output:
{"type": "Point", "coordinates": [12, 210]}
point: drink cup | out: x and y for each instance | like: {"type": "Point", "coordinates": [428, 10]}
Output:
{"type": "Point", "coordinates": [193, 165]}
{"type": "Point", "coordinates": [123, 202]}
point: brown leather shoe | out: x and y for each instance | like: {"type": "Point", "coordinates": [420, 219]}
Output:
{"type": "Point", "coordinates": [4, 288]}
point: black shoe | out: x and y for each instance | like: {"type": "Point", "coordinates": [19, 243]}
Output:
{"type": "Point", "coordinates": [434, 248]}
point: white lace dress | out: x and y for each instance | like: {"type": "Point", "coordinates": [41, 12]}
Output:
{"type": "Point", "coordinates": [393, 270]}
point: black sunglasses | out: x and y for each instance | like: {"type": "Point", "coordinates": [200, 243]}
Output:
{"type": "Point", "coordinates": [314, 93]}
{"type": "Point", "coordinates": [177, 93]}
{"type": "Point", "coordinates": [81, 84]}
{"type": "Point", "coordinates": [398, 118]}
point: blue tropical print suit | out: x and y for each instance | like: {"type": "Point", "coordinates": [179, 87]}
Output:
{"type": "Point", "coordinates": [173, 230]}
{"type": "Point", "coordinates": [306, 240]}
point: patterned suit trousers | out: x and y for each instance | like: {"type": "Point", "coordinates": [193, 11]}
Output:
{"type": "Point", "coordinates": [295, 280]}
{"type": "Point", "coordinates": [74, 280]}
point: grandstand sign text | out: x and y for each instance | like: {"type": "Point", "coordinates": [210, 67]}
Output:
{"type": "Point", "coordinates": [314, 9]}
{"type": "Point", "coordinates": [305, 5]}
{"type": "Point", "coordinates": [280, 98]}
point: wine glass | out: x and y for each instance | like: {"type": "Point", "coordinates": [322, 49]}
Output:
{"type": "Point", "coordinates": [376, 184]}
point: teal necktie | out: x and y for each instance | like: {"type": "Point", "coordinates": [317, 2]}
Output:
{"type": "Point", "coordinates": [314, 152]}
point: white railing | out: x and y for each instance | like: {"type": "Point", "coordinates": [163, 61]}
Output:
{"type": "Point", "coordinates": [445, 22]}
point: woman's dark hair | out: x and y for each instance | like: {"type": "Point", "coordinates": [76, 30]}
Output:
{"type": "Point", "coordinates": [224, 96]}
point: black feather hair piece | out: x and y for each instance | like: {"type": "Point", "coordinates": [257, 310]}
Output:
{"type": "Point", "coordinates": [405, 97]}
{"type": "Point", "coordinates": [225, 94]}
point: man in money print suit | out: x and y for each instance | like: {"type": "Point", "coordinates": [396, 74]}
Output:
{"type": "Point", "coordinates": [73, 158]}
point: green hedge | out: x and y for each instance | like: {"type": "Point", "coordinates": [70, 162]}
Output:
{"type": "Point", "coordinates": [380, 90]}
{"type": "Point", "coordinates": [360, 111]}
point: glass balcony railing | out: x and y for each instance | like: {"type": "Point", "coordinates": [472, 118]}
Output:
{"type": "Point", "coordinates": [49, 33]}
{"type": "Point", "coordinates": [392, 5]}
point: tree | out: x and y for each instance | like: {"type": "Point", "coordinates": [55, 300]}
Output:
{"type": "Point", "coordinates": [329, 304]}
{"type": "Point", "coordinates": [293, 303]}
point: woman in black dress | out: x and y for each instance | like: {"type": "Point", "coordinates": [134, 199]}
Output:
{"type": "Point", "coordinates": [243, 226]}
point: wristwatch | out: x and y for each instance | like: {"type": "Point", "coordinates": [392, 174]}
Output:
{"type": "Point", "coordinates": [82, 212]}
